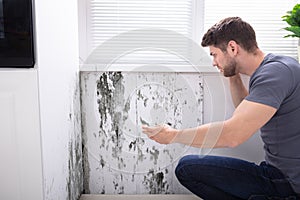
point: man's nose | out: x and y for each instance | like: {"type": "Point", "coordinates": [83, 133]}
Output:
{"type": "Point", "coordinates": [214, 64]}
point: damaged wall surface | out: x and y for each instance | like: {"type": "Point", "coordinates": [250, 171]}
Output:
{"type": "Point", "coordinates": [117, 157]}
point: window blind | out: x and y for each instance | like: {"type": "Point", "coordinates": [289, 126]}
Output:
{"type": "Point", "coordinates": [145, 31]}
{"type": "Point", "coordinates": [265, 18]}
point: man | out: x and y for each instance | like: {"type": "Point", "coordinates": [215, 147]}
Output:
{"type": "Point", "coordinates": [271, 105]}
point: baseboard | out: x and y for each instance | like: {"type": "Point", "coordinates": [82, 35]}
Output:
{"type": "Point", "coordinates": [138, 197]}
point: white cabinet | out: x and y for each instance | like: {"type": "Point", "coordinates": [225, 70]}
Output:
{"type": "Point", "coordinates": [21, 166]}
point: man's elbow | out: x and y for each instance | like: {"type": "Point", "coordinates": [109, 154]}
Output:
{"type": "Point", "coordinates": [234, 134]}
{"type": "Point", "coordinates": [229, 141]}
{"type": "Point", "coordinates": [233, 144]}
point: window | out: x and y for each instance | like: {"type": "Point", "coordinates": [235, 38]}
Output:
{"type": "Point", "coordinates": [265, 18]}
{"type": "Point", "coordinates": [128, 34]}
{"type": "Point", "coordinates": [141, 32]}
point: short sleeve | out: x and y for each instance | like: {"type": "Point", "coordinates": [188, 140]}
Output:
{"type": "Point", "coordinates": [270, 85]}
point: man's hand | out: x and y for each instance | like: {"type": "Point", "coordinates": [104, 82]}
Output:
{"type": "Point", "coordinates": [163, 134]}
{"type": "Point", "coordinates": [237, 89]}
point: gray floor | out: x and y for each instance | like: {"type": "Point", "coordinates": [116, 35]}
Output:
{"type": "Point", "coordinates": [138, 197]}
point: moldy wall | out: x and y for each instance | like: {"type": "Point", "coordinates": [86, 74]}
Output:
{"type": "Point", "coordinates": [118, 158]}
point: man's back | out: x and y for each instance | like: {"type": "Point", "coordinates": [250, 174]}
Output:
{"type": "Point", "coordinates": [277, 83]}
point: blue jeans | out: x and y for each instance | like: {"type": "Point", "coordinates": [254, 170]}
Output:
{"type": "Point", "coordinates": [220, 178]}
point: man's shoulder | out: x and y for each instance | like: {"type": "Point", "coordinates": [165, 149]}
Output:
{"type": "Point", "coordinates": [278, 66]}
{"type": "Point", "coordinates": [279, 61]}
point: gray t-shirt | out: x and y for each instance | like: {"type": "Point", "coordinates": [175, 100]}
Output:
{"type": "Point", "coordinates": [277, 83]}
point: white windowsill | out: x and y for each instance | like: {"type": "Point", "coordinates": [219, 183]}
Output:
{"type": "Point", "coordinates": [148, 68]}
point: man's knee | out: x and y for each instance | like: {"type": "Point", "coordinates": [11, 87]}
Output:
{"type": "Point", "coordinates": [182, 169]}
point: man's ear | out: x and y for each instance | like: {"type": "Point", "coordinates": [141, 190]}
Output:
{"type": "Point", "coordinates": [232, 47]}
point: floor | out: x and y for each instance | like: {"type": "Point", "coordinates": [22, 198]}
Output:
{"type": "Point", "coordinates": [138, 197]}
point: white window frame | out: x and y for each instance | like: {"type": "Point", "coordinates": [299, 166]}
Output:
{"type": "Point", "coordinates": [196, 36]}
{"type": "Point", "coordinates": [197, 33]}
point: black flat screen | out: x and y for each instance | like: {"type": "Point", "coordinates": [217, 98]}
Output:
{"type": "Point", "coordinates": [16, 34]}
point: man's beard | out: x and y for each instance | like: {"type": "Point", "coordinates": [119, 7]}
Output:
{"type": "Point", "coordinates": [230, 69]}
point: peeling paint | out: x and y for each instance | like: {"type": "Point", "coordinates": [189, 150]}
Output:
{"type": "Point", "coordinates": [118, 158]}
{"type": "Point", "coordinates": [110, 91]}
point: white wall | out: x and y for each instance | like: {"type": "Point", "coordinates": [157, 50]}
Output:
{"type": "Point", "coordinates": [57, 64]}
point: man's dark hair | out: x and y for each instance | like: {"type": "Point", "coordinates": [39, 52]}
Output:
{"type": "Point", "coordinates": [231, 28]}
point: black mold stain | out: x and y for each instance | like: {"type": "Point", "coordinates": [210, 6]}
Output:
{"type": "Point", "coordinates": [102, 145]}
{"type": "Point", "coordinates": [155, 183]}
{"type": "Point", "coordinates": [113, 111]}
{"type": "Point", "coordinates": [119, 189]}
{"type": "Point", "coordinates": [103, 190]}
{"type": "Point", "coordinates": [136, 144]}
{"type": "Point", "coordinates": [159, 179]}
{"type": "Point", "coordinates": [154, 155]}
{"type": "Point", "coordinates": [166, 171]}
{"type": "Point", "coordinates": [140, 96]}
{"type": "Point", "coordinates": [121, 164]}
{"type": "Point", "coordinates": [110, 92]}
{"type": "Point", "coordinates": [86, 167]}
{"type": "Point", "coordinates": [144, 122]}
{"type": "Point", "coordinates": [74, 185]}
{"type": "Point", "coordinates": [108, 87]}
{"type": "Point", "coordinates": [102, 162]}
{"type": "Point", "coordinates": [132, 145]}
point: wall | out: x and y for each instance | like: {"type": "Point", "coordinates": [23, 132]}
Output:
{"type": "Point", "coordinates": [56, 29]}
{"type": "Point", "coordinates": [118, 158]}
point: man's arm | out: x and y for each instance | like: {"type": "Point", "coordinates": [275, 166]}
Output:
{"type": "Point", "coordinates": [237, 89]}
{"type": "Point", "coordinates": [246, 120]}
